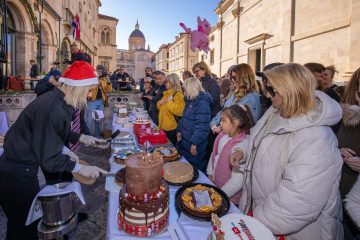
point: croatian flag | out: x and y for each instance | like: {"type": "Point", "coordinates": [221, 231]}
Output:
{"type": "Point", "coordinates": [76, 27]}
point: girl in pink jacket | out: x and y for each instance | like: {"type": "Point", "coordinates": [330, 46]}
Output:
{"type": "Point", "coordinates": [235, 123]}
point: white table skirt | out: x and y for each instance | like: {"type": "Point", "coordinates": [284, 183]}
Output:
{"type": "Point", "coordinates": [197, 230]}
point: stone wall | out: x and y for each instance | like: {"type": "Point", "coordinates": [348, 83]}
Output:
{"type": "Point", "coordinates": [286, 31]}
{"type": "Point", "coordinates": [13, 104]}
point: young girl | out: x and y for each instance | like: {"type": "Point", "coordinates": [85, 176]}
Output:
{"type": "Point", "coordinates": [236, 122]}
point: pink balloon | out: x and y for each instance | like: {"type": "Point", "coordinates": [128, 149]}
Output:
{"type": "Point", "coordinates": [199, 38]}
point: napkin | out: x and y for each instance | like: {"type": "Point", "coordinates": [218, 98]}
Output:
{"type": "Point", "coordinates": [50, 190]}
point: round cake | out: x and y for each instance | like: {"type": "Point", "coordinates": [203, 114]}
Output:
{"type": "Point", "coordinates": [178, 172]}
{"type": "Point", "coordinates": [238, 226]}
{"type": "Point", "coordinates": [120, 177]}
{"type": "Point", "coordinates": [201, 200]}
{"type": "Point", "coordinates": [144, 198]}
{"type": "Point", "coordinates": [168, 153]}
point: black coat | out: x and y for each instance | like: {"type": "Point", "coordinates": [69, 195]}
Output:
{"type": "Point", "coordinates": [210, 85]}
{"type": "Point", "coordinates": [154, 111]}
{"type": "Point", "coordinates": [34, 71]}
{"type": "Point", "coordinates": [39, 134]}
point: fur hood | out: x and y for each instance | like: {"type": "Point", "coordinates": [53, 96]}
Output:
{"type": "Point", "coordinates": [351, 115]}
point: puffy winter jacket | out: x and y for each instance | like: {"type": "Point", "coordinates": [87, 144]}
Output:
{"type": "Point", "coordinates": [292, 176]}
{"type": "Point", "coordinates": [194, 129]}
{"type": "Point", "coordinates": [170, 109]}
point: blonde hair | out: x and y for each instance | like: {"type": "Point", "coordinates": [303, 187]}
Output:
{"type": "Point", "coordinates": [174, 81]}
{"type": "Point", "coordinates": [203, 66]}
{"type": "Point", "coordinates": [296, 84]}
{"type": "Point", "coordinates": [193, 87]}
{"type": "Point", "coordinates": [351, 89]}
{"type": "Point", "coordinates": [76, 96]}
{"type": "Point", "coordinates": [245, 80]}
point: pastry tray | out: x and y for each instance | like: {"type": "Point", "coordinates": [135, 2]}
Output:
{"type": "Point", "coordinates": [221, 211]}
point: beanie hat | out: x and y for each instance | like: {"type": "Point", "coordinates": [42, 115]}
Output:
{"type": "Point", "coordinates": [79, 73]}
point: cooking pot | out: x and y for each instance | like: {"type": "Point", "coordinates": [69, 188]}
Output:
{"type": "Point", "coordinates": [59, 209]}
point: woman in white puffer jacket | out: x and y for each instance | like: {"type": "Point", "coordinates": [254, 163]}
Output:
{"type": "Point", "coordinates": [293, 164]}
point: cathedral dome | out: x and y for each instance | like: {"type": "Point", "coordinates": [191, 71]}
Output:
{"type": "Point", "coordinates": [137, 32]}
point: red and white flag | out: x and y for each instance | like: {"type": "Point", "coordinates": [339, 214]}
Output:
{"type": "Point", "coordinates": [76, 27]}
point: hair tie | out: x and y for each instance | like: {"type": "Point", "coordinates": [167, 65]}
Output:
{"type": "Point", "coordinates": [243, 107]}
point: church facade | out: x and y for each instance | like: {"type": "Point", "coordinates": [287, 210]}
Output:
{"type": "Point", "coordinates": [136, 58]}
{"type": "Point", "coordinates": [26, 20]}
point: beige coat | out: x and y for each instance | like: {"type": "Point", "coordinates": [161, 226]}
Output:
{"type": "Point", "coordinates": [295, 176]}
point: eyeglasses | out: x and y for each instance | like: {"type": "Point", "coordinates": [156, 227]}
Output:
{"type": "Point", "coordinates": [271, 90]}
{"type": "Point", "coordinates": [320, 70]}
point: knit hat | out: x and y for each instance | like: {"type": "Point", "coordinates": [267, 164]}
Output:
{"type": "Point", "coordinates": [79, 73]}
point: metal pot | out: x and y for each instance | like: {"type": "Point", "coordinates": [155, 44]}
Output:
{"type": "Point", "coordinates": [57, 210]}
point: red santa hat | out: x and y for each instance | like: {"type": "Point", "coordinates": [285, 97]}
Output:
{"type": "Point", "coordinates": [79, 74]}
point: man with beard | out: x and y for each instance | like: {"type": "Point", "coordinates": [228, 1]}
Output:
{"type": "Point", "coordinates": [148, 73]}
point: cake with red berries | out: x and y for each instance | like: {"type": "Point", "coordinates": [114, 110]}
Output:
{"type": "Point", "coordinates": [144, 198]}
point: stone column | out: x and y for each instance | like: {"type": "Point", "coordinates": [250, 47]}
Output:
{"type": "Point", "coordinates": [288, 16]}
{"type": "Point", "coordinates": [354, 55]}
{"type": "Point", "coordinates": [26, 50]}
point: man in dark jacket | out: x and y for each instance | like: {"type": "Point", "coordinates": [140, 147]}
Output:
{"type": "Point", "coordinates": [34, 72]}
{"type": "Point", "coordinates": [120, 80]}
{"type": "Point", "coordinates": [148, 73]}
{"type": "Point", "coordinates": [154, 111]}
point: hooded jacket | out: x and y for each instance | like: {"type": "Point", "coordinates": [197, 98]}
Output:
{"type": "Point", "coordinates": [194, 129]}
{"type": "Point", "coordinates": [292, 176]}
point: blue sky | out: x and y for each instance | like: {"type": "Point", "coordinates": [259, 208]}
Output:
{"type": "Point", "coordinates": [158, 19]}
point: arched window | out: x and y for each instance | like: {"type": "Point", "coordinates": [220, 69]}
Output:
{"type": "Point", "coordinates": [105, 36]}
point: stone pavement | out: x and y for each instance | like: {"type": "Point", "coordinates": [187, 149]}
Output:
{"type": "Point", "coordinates": [94, 227]}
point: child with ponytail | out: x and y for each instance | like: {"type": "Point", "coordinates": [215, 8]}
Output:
{"type": "Point", "coordinates": [235, 123]}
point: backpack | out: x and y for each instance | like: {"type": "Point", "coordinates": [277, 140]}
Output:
{"type": "Point", "coordinates": [15, 83]}
{"type": "Point", "coordinates": [177, 118]}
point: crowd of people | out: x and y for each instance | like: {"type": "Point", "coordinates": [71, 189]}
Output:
{"type": "Point", "coordinates": [280, 143]}
{"type": "Point", "coordinates": [283, 143]}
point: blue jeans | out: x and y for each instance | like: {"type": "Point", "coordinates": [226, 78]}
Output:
{"type": "Point", "coordinates": [94, 126]}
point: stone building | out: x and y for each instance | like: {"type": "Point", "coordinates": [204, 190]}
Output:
{"type": "Point", "coordinates": [136, 58]}
{"type": "Point", "coordinates": [260, 32]}
{"type": "Point", "coordinates": [162, 58]}
{"type": "Point", "coordinates": [23, 33]}
{"type": "Point", "coordinates": [181, 57]}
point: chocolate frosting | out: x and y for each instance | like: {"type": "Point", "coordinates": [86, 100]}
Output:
{"type": "Point", "coordinates": [144, 173]}
{"type": "Point", "coordinates": [153, 206]}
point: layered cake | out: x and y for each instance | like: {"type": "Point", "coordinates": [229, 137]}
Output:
{"type": "Point", "coordinates": [238, 226]}
{"type": "Point", "coordinates": [201, 200]}
{"type": "Point", "coordinates": [120, 177]}
{"type": "Point", "coordinates": [178, 172]}
{"type": "Point", "coordinates": [144, 198]}
{"type": "Point", "coordinates": [168, 153]}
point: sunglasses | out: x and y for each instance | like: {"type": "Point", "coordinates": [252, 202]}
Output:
{"type": "Point", "coordinates": [271, 90]}
{"type": "Point", "coordinates": [320, 70]}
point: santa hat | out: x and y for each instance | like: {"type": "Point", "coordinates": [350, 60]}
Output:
{"type": "Point", "coordinates": [79, 74]}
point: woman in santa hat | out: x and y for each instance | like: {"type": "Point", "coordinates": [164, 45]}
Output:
{"type": "Point", "coordinates": [37, 139]}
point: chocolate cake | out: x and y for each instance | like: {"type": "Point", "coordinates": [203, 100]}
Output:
{"type": "Point", "coordinates": [144, 198]}
{"type": "Point", "coordinates": [120, 177]}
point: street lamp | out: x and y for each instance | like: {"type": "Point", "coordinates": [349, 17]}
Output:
{"type": "Point", "coordinates": [40, 10]}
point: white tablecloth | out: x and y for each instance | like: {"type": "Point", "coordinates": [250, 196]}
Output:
{"type": "Point", "coordinates": [195, 230]}
{"type": "Point", "coordinates": [4, 126]}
